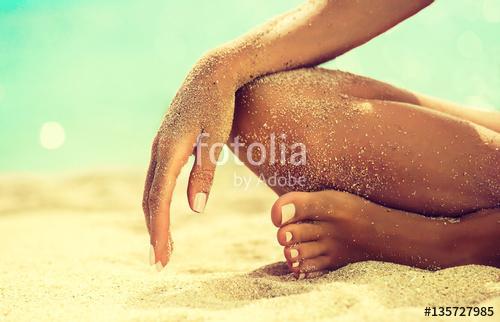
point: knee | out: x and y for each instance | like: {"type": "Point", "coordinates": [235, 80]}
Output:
{"type": "Point", "coordinates": [268, 103]}
{"type": "Point", "coordinates": [270, 128]}
{"type": "Point", "coordinates": [256, 103]}
{"type": "Point", "coordinates": [301, 96]}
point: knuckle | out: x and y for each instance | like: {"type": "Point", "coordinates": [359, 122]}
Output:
{"type": "Point", "coordinates": [154, 203]}
{"type": "Point", "coordinates": [204, 175]}
{"type": "Point", "coordinates": [163, 143]}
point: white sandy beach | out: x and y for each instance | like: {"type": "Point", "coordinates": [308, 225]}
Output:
{"type": "Point", "coordinates": [74, 247]}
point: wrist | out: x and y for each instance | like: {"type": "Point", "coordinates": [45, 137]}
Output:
{"type": "Point", "coordinates": [219, 66]}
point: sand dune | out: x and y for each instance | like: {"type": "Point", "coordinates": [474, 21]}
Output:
{"type": "Point", "coordinates": [74, 247]}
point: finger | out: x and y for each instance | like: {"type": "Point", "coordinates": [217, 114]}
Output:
{"type": "Point", "coordinates": [170, 159]}
{"type": "Point", "coordinates": [207, 152]}
{"type": "Point", "coordinates": [149, 181]}
{"type": "Point", "coordinates": [298, 206]}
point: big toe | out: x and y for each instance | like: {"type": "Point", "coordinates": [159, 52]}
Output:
{"type": "Point", "coordinates": [299, 206]}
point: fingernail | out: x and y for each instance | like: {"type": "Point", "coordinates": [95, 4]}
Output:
{"type": "Point", "coordinates": [295, 264]}
{"type": "Point", "coordinates": [302, 276]}
{"type": "Point", "coordinates": [287, 212]}
{"type": "Point", "coordinates": [200, 199]}
{"type": "Point", "coordinates": [159, 266]}
{"type": "Point", "coordinates": [151, 255]}
{"type": "Point", "coordinates": [294, 253]}
{"type": "Point", "coordinates": [288, 236]}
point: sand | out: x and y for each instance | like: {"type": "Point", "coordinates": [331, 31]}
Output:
{"type": "Point", "coordinates": [74, 247]}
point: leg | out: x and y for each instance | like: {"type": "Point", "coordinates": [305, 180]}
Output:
{"type": "Point", "coordinates": [362, 87]}
{"type": "Point", "coordinates": [369, 141]}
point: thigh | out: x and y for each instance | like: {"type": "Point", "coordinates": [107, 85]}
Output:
{"type": "Point", "coordinates": [367, 88]}
{"type": "Point", "coordinates": [392, 152]}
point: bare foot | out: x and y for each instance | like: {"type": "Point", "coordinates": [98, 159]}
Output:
{"type": "Point", "coordinates": [329, 229]}
{"type": "Point", "coordinates": [321, 230]}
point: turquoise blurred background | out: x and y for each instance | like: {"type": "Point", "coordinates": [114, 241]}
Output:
{"type": "Point", "coordinates": [105, 70]}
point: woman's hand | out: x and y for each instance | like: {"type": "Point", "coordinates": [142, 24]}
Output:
{"type": "Point", "coordinates": [203, 105]}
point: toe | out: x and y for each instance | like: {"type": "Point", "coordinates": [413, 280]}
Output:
{"type": "Point", "coordinates": [298, 206]}
{"type": "Point", "coordinates": [304, 251]}
{"type": "Point", "coordinates": [287, 206]}
{"type": "Point", "coordinates": [304, 232]}
{"type": "Point", "coordinates": [315, 264]}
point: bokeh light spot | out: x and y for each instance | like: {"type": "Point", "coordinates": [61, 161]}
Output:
{"type": "Point", "coordinates": [52, 136]}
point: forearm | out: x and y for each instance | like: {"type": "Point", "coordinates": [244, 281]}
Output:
{"type": "Point", "coordinates": [432, 243]}
{"type": "Point", "coordinates": [313, 33]}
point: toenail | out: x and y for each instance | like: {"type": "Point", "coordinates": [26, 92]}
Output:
{"type": "Point", "coordinates": [302, 276]}
{"type": "Point", "coordinates": [294, 253]}
{"type": "Point", "coordinates": [151, 255]}
{"type": "Point", "coordinates": [295, 264]}
{"type": "Point", "coordinates": [287, 212]}
{"type": "Point", "coordinates": [288, 236]}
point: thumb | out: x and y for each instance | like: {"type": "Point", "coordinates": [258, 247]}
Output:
{"type": "Point", "coordinates": [207, 151]}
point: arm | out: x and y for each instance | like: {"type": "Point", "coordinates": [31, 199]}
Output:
{"type": "Point", "coordinates": [311, 34]}
{"type": "Point", "coordinates": [433, 243]}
